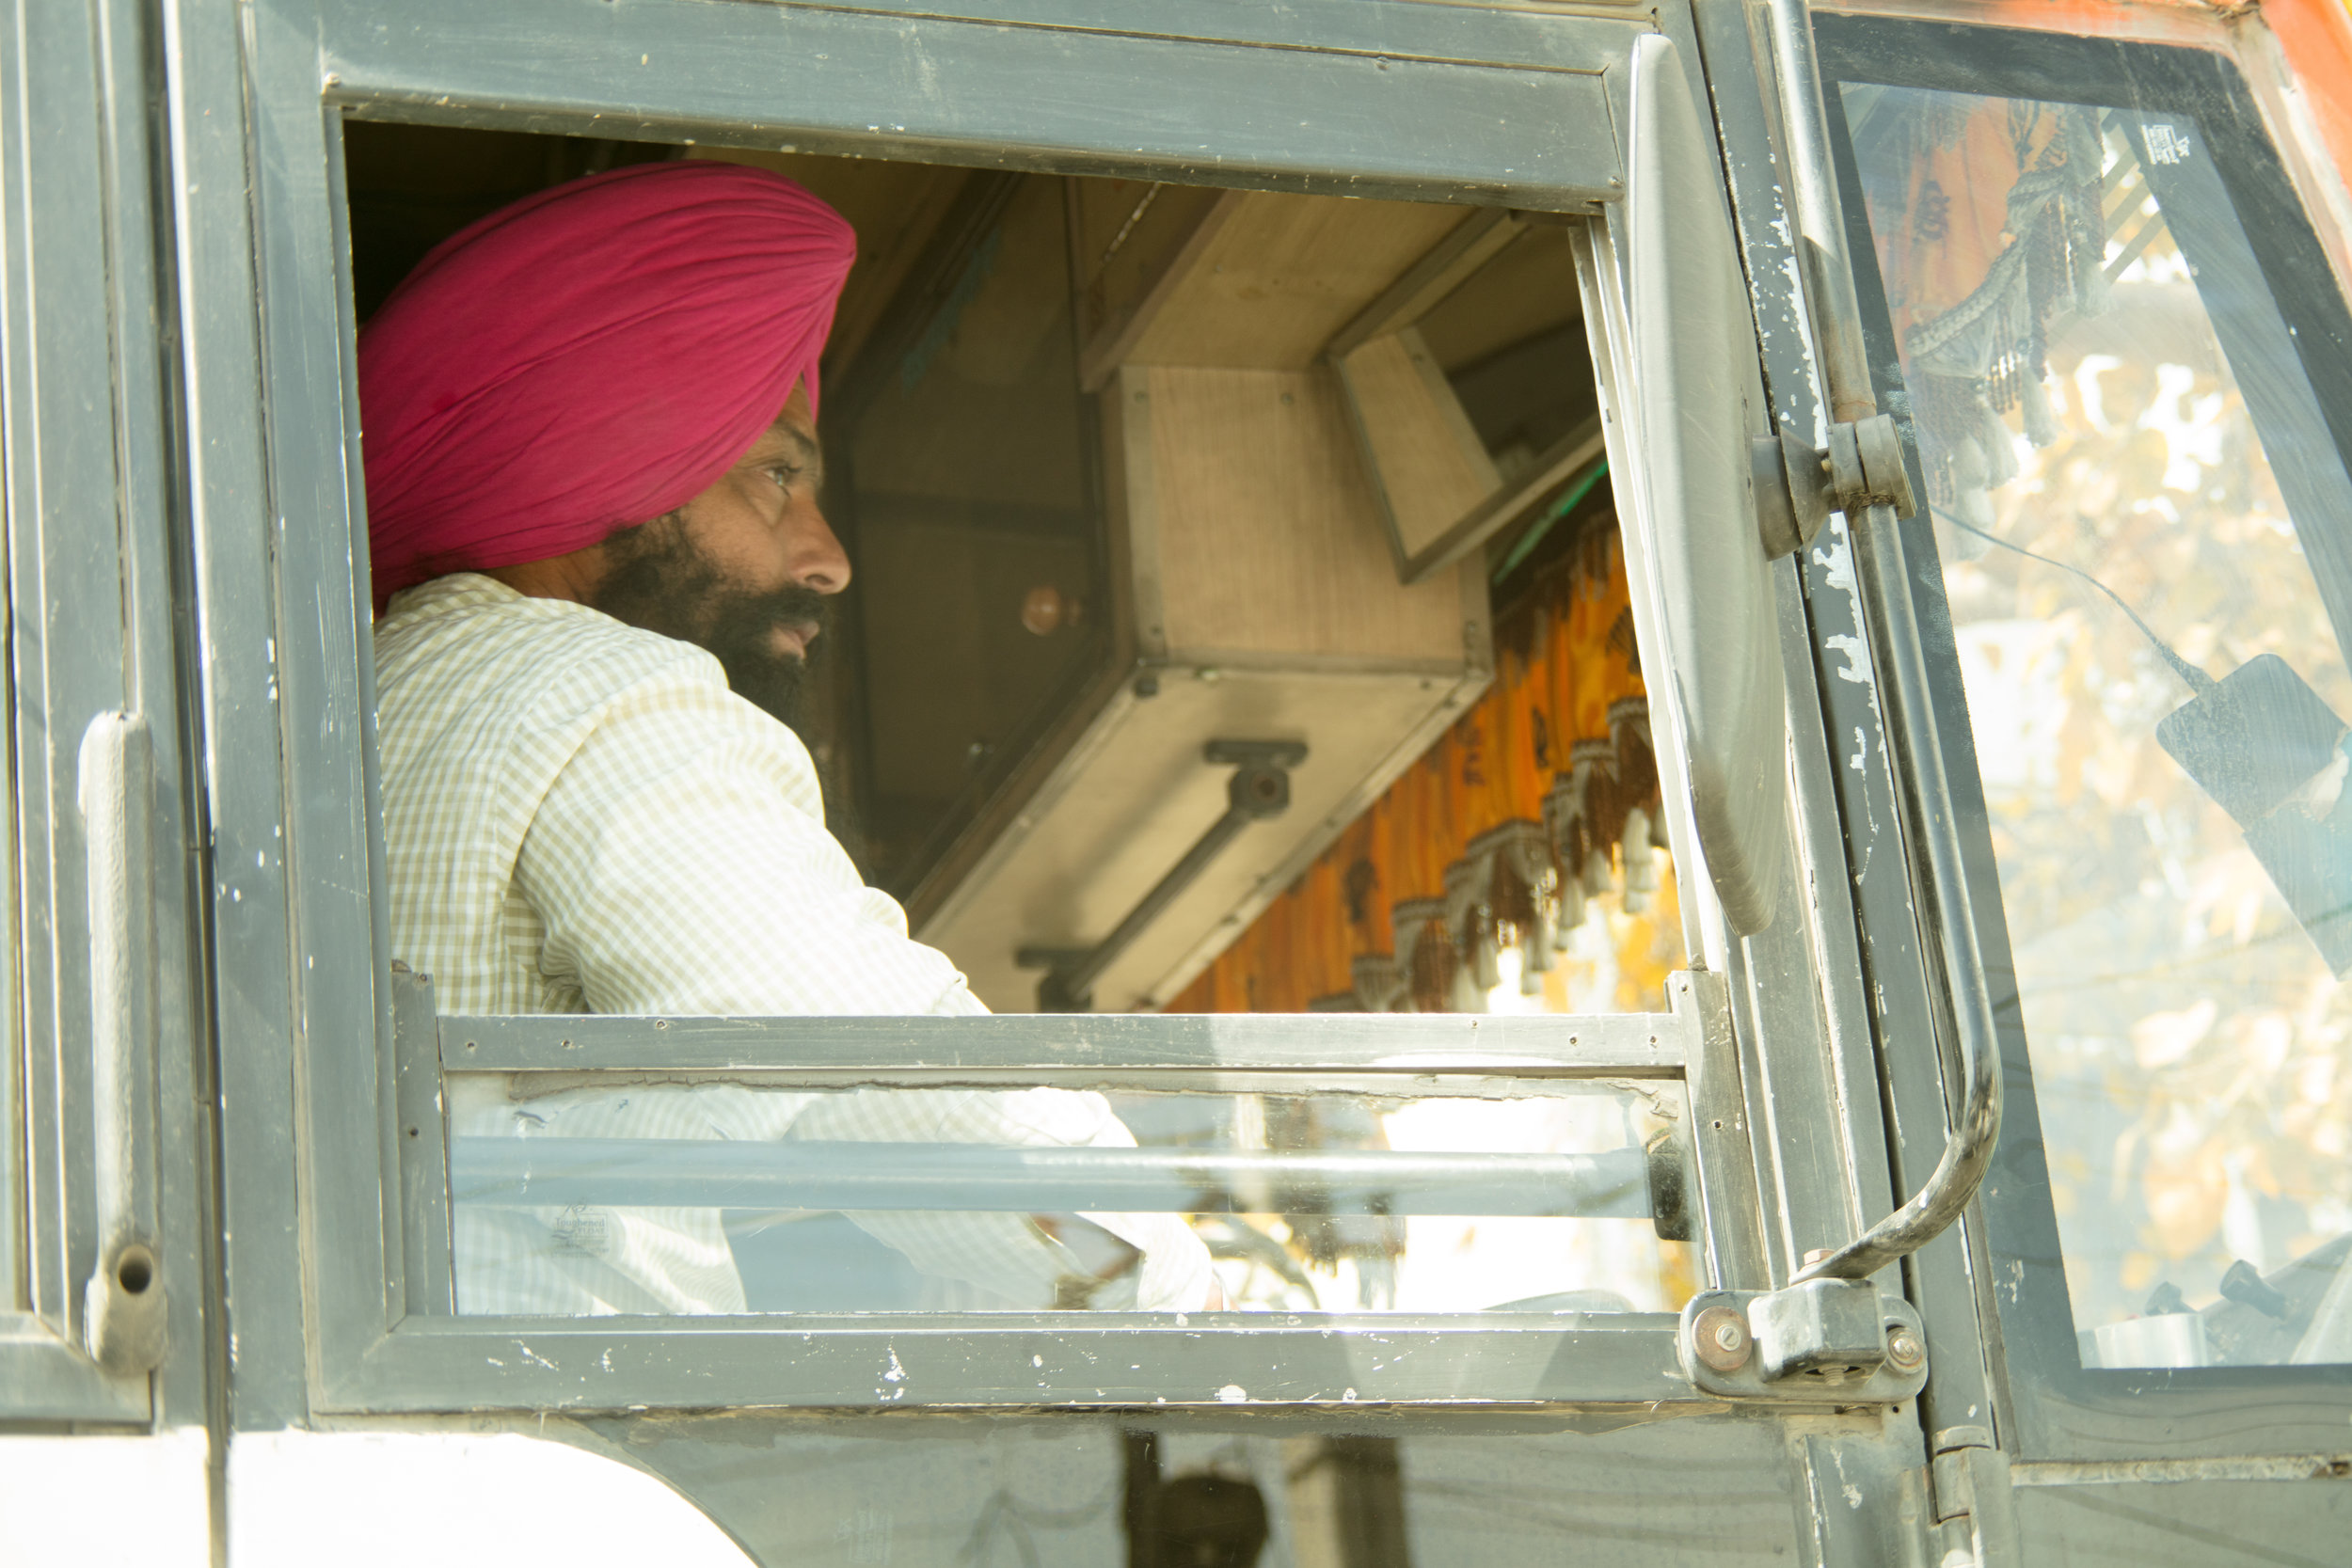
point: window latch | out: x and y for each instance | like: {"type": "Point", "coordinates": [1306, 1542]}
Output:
{"type": "Point", "coordinates": [1798, 486]}
{"type": "Point", "coordinates": [1825, 1341]}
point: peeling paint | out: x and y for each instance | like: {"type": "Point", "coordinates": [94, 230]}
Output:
{"type": "Point", "coordinates": [1835, 557]}
{"type": "Point", "coordinates": [1857, 666]}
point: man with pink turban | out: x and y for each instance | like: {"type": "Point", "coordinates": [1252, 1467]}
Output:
{"type": "Point", "coordinates": [598, 560]}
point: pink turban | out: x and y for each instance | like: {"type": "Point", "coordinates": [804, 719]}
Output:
{"type": "Point", "coordinates": [588, 358]}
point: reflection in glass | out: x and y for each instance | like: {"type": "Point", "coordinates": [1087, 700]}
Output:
{"type": "Point", "coordinates": [2140, 519]}
{"type": "Point", "coordinates": [707, 1196]}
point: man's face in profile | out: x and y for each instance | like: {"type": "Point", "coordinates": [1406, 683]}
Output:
{"type": "Point", "coordinates": [746, 569]}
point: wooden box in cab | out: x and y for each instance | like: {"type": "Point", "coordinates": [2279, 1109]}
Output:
{"type": "Point", "coordinates": [1254, 587]}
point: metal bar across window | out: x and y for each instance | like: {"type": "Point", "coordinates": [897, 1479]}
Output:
{"type": "Point", "coordinates": [1627, 1045]}
{"type": "Point", "coordinates": [728, 1174]}
{"type": "Point", "coordinates": [1484, 1361]}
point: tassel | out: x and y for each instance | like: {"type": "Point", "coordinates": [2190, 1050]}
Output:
{"type": "Point", "coordinates": [1968, 466]}
{"type": "Point", "coordinates": [1572, 907]}
{"type": "Point", "coordinates": [1470, 918]}
{"type": "Point", "coordinates": [1641, 863]}
{"type": "Point", "coordinates": [1527, 854]}
{"type": "Point", "coordinates": [1955, 544]}
{"type": "Point", "coordinates": [2000, 449]}
{"type": "Point", "coordinates": [1487, 961]}
{"type": "Point", "coordinates": [1378, 983]}
{"type": "Point", "coordinates": [2042, 426]}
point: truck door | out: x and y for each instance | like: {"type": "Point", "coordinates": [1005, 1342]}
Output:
{"type": "Point", "coordinates": [2095, 494]}
{"type": "Point", "coordinates": [106, 1298]}
{"type": "Point", "coordinates": [1805, 1397]}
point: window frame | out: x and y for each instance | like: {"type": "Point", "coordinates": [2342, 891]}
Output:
{"type": "Point", "coordinates": [1048, 1358]}
{"type": "Point", "coordinates": [286, 606]}
{"type": "Point", "coordinates": [2054, 1408]}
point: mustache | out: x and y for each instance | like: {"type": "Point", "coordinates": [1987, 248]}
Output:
{"type": "Point", "coordinates": [746, 619]}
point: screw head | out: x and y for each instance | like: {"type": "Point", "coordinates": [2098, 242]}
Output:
{"type": "Point", "coordinates": [1904, 1352]}
{"type": "Point", "coordinates": [1720, 1337]}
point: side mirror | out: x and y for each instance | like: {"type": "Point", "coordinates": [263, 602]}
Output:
{"type": "Point", "coordinates": [1693, 357]}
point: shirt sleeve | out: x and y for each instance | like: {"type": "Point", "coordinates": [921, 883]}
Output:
{"type": "Point", "coordinates": [680, 864]}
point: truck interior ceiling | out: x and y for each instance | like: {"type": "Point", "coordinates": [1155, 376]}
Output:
{"type": "Point", "coordinates": [1185, 522]}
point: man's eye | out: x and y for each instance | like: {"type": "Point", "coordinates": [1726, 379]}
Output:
{"type": "Point", "coordinates": [784, 474]}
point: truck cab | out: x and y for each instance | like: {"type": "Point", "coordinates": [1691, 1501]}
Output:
{"type": "Point", "coordinates": [1648, 692]}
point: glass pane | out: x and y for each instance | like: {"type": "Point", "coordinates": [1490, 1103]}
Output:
{"type": "Point", "coordinates": [729, 1197]}
{"type": "Point", "coordinates": [2145, 536]}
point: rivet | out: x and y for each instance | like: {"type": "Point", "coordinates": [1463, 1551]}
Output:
{"type": "Point", "coordinates": [1720, 1337]}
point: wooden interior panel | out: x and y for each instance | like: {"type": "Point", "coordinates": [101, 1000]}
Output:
{"type": "Point", "coordinates": [1427, 467]}
{"type": "Point", "coordinates": [1127, 802]}
{"type": "Point", "coordinates": [1526, 289]}
{"type": "Point", "coordinates": [1280, 275]}
{"type": "Point", "coordinates": [1131, 242]}
{"type": "Point", "coordinates": [1441, 270]}
{"type": "Point", "coordinates": [1268, 540]}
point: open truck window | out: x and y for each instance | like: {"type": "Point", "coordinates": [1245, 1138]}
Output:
{"type": "Point", "coordinates": [1151, 492]}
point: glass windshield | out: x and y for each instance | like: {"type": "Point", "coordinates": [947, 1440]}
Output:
{"type": "Point", "coordinates": [2145, 537]}
{"type": "Point", "coordinates": [730, 1197]}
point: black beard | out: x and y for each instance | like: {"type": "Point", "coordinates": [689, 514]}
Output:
{"type": "Point", "coordinates": [660, 581]}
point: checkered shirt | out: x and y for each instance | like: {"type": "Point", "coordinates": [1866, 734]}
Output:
{"type": "Point", "coordinates": [579, 816]}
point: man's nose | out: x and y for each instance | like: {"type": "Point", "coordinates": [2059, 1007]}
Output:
{"type": "Point", "coordinates": [819, 561]}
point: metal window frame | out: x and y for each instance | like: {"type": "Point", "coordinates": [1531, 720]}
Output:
{"type": "Point", "coordinates": [2049, 1407]}
{"type": "Point", "coordinates": [1808, 1064]}
{"type": "Point", "coordinates": [90, 497]}
{"type": "Point", "coordinates": [1205, 91]}
{"type": "Point", "coordinates": [1041, 1359]}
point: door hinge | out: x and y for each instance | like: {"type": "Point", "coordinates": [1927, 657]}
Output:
{"type": "Point", "coordinates": [1973, 1523]}
{"type": "Point", "coordinates": [1798, 486]}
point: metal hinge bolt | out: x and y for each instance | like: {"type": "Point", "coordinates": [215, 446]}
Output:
{"type": "Point", "coordinates": [1798, 485]}
{"type": "Point", "coordinates": [1721, 1338]}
